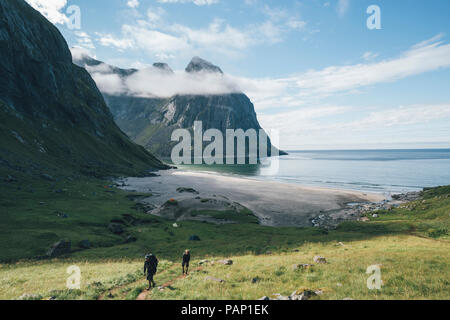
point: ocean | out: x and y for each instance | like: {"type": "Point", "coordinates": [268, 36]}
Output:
{"type": "Point", "coordinates": [381, 171]}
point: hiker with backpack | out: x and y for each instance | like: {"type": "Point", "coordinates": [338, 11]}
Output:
{"type": "Point", "coordinates": [186, 260]}
{"type": "Point", "coordinates": [150, 269]}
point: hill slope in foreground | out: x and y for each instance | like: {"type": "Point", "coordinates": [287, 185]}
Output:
{"type": "Point", "coordinates": [410, 243]}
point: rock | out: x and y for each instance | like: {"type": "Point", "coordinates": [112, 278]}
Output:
{"type": "Point", "coordinates": [341, 244]}
{"type": "Point", "coordinates": [375, 215]}
{"type": "Point", "coordinates": [265, 298]}
{"type": "Point", "coordinates": [226, 262]}
{"type": "Point", "coordinates": [320, 259]}
{"type": "Point", "coordinates": [175, 225]}
{"type": "Point", "coordinates": [59, 248]}
{"type": "Point", "coordinates": [85, 244]}
{"type": "Point", "coordinates": [201, 262]}
{"type": "Point", "coordinates": [187, 190]}
{"type": "Point", "coordinates": [347, 299]}
{"type": "Point", "coordinates": [303, 295]}
{"type": "Point", "coordinates": [256, 280]}
{"type": "Point", "coordinates": [130, 239]}
{"type": "Point", "coordinates": [364, 219]}
{"type": "Point", "coordinates": [194, 238]}
{"type": "Point", "coordinates": [115, 228]}
{"type": "Point", "coordinates": [302, 266]}
{"type": "Point", "coordinates": [209, 278]}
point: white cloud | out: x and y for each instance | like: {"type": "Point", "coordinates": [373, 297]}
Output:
{"type": "Point", "coordinates": [369, 55]}
{"type": "Point", "coordinates": [169, 40]}
{"type": "Point", "coordinates": [133, 3]}
{"type": "Point", "coordinates": [196, 2]}
{"type": "Point", "coordinates": [109, 40]}
{"type": "Point", "coordinates": [270, 93]}
{"type": "Point", "coordinates": [51, 9]}
{"type": "Point", "coordinates": [424, 57]}
{"type": "Point", "coordinates": [84, 40]}
{"type": "Point", "coordinates": [317, 126]}
{"type": "Point", "coordinates": [78, 53]}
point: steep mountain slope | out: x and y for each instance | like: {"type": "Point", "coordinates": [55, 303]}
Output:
{"type": "Point", "coordinates": [150, 120]}
{"type": "Point", "coordinates": [53, 119]}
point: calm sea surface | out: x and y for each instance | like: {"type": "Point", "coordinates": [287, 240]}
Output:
{"type": "Point", "coordinates": [384, 171]}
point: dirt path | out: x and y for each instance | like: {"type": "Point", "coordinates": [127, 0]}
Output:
{"type": "Point", "coordinates": [114, 290]}
{"type": "Point", "coordinates": [145, 295]}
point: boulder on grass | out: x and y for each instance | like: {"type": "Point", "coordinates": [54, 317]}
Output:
{"type": "Point", "coordinates": [214, 279]}
{"type": "Point", "coordinates": [115, 228]}
{"type": "Point", "coordinates": [85, 244]}
{"type": "Point", "coordinates": [226, 262]}
{"type": "Point", "coordinates": [194, 238]}
{"type": "Point", "coordinates": [303, 295]}
{"type": "Point", "coordinates": [130, 239]}
{"type": "Point", "coordinates": [320, 259]}
{"type": "Point", "coordinates": [303, 266]}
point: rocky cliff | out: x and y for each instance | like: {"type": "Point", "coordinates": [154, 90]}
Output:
{"type": "Point", "coordinates": [52, 116]}
{"type": "Point", "coordinates": [150, 121]}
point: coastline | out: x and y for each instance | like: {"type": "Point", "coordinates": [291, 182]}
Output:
{"type": "Point", "coordinates": [275, 204]}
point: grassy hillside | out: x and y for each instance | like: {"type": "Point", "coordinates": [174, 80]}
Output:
{"type": "Point", "coordinates": [410, 242]}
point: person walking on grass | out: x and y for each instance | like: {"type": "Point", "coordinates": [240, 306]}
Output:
{"type": "Point", "coordinates": [186, 260]}
{"type": "Point", "coordinates": [150, 268]}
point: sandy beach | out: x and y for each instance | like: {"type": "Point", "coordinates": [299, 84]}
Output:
{"type": "Point", "coordinates": [274, 203]}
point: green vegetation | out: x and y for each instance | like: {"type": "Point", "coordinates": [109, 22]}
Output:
{"type": "Point", "coordinates": [410, 242]}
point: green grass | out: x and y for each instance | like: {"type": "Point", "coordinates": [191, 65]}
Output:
{"type": "Point", "coordinates": [410, 242]}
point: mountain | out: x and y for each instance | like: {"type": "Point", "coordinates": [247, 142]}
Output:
{"type": "Point", "coordinates": [197, 64]}
{"type": "Point", "coordinates": [53, 118]}
{"type": "Point", "coordinates": [149, 119]}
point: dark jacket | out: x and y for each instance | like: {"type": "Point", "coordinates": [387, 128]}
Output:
{"type": "Point", "coordinates": [186, 258]}
{"type": "Point", "coordinates": [151, 265]}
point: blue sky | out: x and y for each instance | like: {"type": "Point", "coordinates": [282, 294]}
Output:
{"type": "Point", "coordinates": [312, 68]}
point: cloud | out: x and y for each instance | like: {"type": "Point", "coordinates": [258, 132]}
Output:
{"type": "Point", "coordinates": [109, 40]}
{"type": "Point", "coordinates": [51, 9]}
{"type": "Point", "coordinates": [275, 93]}
{"type": "Point", "coordinates": [133, 3]}
{"type": "Point", "coordinates": [317, 126]}
{"type": "Point", "coordinates": [196, 2]}
{"type": "Point", "coordinates": [84, 40]}
{"type": "Point", "coordinates": [151, 82]}
{"type": "Point", "coordinates": [169, 40]}
{"type": "Point", "coordinates": [424, 57]}
{"type": "Point", "coordinates": [369, 55]}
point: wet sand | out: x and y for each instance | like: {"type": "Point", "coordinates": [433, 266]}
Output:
{"type": "Point", "coordinates": [274, 203]}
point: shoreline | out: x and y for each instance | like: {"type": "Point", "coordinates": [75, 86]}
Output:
{"type": "Point", "coordinates": [276, 204]}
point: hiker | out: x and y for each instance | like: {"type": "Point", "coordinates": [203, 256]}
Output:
{"type": "Point", "coordinates": [186, 259]}
{"type": "Point", "coordinates": [150, 266]}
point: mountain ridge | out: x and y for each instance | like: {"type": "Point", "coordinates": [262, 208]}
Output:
{"type": "Point", "coordinates": [53, 117]}
{"type": "Point", "coordinates": [150, 121]}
